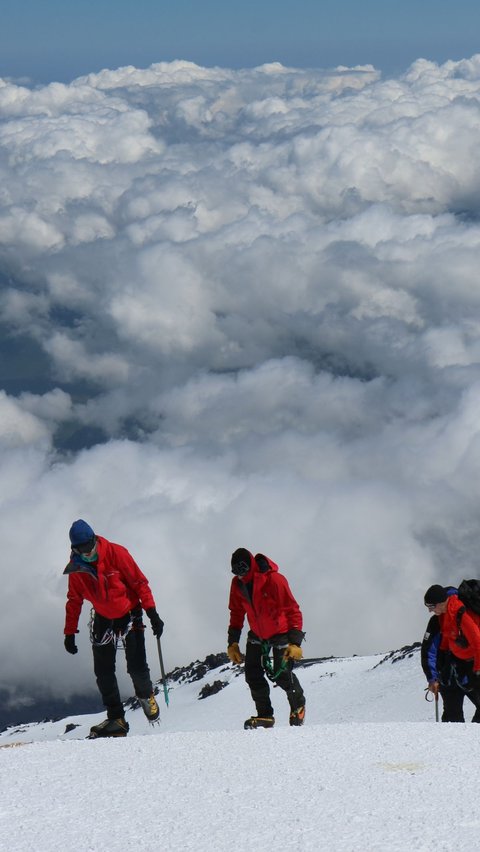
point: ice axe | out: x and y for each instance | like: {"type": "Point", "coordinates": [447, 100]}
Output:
{"type": "Point", "coordinates": [428, 693]}
{"type": "Point", "coordinates": [162, 670]}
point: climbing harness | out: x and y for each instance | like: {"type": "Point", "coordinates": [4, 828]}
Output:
{"type": "Point", "coordinates": [267, 661]}
{"type": "Point", "coordinates": [117, 636]}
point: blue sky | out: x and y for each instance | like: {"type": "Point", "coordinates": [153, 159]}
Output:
{"type": "Point", "coordinates": [60, 40]}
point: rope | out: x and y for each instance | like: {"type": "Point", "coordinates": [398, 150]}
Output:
{"type": "Point", "coordinates": [267, 662]}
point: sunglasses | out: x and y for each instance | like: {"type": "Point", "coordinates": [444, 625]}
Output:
{"type": "Point", "coordinates": [431, 607]}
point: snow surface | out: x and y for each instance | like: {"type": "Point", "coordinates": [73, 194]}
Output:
{"type": "Point", "coordinates": [370, 770]}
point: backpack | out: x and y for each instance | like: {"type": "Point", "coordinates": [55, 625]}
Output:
{"type": "Point", "coordinates": [469, 594]}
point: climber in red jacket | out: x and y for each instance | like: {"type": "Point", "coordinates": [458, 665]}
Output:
{"type": "Point", "coordinates": [261, 593]}
{"type": "Point", "coordinates": [107, 576]}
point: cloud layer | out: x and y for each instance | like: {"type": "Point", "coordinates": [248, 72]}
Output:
{"type": "Point", "coordinates": [240, 308]}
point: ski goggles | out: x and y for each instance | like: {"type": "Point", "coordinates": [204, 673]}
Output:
{"type": "Point", "coordinates": [85, 546]}
{"type": "Point", "coordinates": [240, 569]}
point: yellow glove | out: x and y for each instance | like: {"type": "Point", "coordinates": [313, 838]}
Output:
{"type": "Point", "coordinates": [234, 654]}
{"type": "Point", "coordinates": [293, 652]}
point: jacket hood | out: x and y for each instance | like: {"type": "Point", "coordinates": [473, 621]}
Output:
{"type": "Point", "coordinates": [454, 604]}
{"type": "Point", "coordinates": [263, 564]}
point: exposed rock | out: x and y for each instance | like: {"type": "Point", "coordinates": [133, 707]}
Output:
{"type": "Point", "coordinates": [212, 688]}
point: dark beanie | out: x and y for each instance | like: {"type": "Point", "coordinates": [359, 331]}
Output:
{"type": "Point", "coordinates": [80, 532]}
{"type": "Point", "coordinates": [435, 595]}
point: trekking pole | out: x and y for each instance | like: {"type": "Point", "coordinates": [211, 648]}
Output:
{"type": "Point", "coordinates": [437, 719]}
{"type": "Point", "coordinates": [162, 670]}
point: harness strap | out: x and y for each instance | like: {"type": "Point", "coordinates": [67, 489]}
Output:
{"type": "Point", "coordinates": [460, 613]}
{"type": "Point", "coordinates": [117, 637]}
{"type": "Point", "coordinates": [267, 660]}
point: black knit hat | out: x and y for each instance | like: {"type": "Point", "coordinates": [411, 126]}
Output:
{"type": "Point", "coordinates": [435, 595]}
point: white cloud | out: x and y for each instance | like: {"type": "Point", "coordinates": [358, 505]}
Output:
{"type": "Point", "coordinates": [73, 360]}
{"type": "Point", "coordinates": [29, 230]}
{"type": "Point", "coordinates": [53, 407]}
{"type": "Point", "coordinates": [19, 427]}
{"type": "Point", "coordinates": [167, 306]}
{"type": "Point", "coordinates": [267, 279]}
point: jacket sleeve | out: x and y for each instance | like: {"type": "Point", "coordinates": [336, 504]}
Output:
{"type": "Point", "coordinates": [134, 578]}
{"type": "Point", "coordinates": [429, 649]}
{"type": "Point", "coordinates": [73, 607]}
{"type": "Point", "coordinates": [291, 610]}
{"type": "Point", "coordinates": [237, 613]}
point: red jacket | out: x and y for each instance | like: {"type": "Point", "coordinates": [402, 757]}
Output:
{"type": "Point", "coordinates": [118, 587]}
{"type": "Point", "coordinates": [270, 606]}
{"type": "Point", "coordinates": [469, 628]}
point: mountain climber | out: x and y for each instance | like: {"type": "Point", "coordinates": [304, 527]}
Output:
{"type": "Point", "coordinates": [106, 575]}
{"type": "Point", "coordinates": [261, 593]}
{"type": "Point", "coordinates": [437, 668]}
{"type": "Point", "coordinates": [459, 653]}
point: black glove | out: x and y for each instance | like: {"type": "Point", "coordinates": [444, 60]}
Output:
{"type": "Point", "coordinates": [69, 643]}
{"type": "Point", "coordinates": [156, 621]}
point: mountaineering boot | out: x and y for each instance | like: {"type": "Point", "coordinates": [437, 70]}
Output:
{"type": "Point", "coordinates": [109, 728]}
{"type": "Point", "coordinates": [297, 717]}
{"type": "Point", "coordinates": [258, 722]}
{"type": "Point", "coordinates": [150, 707]}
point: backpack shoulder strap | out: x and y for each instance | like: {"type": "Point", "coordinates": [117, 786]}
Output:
{"type": "Point", "coordinates": [459, 616]}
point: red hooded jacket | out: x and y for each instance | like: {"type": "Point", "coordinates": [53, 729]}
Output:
{"type": "Point", "coordinates": [118, 587]}
{"type": "Point", "coordinates": [469, 628]}
{"type": "Point", "coordinates": [270, 606]}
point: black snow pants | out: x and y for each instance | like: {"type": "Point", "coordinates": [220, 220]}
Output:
{"type": "Point", "coordinates": [258, 683]}
{"type": "Point", "coordinates": [463, 677]}
{"type": "Point", "coordinates": [104, 659]}
{"type": "Point", "coordinates": [453, 698]}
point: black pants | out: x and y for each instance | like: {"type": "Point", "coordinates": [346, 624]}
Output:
{"type": "Point", "coordinates": [258, 683]}
{"type": "Point", "coordinates": [104, 660]}
{"type": "Point", "coordinates": [463, 679]}
{"type": "Point", "coordinates": [453, 697]}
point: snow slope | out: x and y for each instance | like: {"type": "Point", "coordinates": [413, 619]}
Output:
{"type": "Point", "coordinates": [370, 770]}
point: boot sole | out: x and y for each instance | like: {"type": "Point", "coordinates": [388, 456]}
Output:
{"type": "Point", "coordinates": [93, 736]}
{"type": "Point", "coordinates": [259, 728]}
{"type": "Point", "coordinates": [247, 727]}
